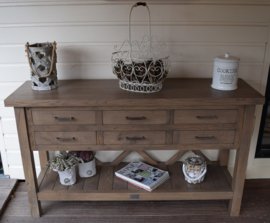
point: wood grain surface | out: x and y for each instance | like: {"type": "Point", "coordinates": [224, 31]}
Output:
{"type": "Point", "coordinates": [185, 115]}
{"type": "Point", "coordinates": [212, 146]}
{"type": "Point", "coordinates": [141, 117]}
{"type": "Point", "coordinates": [254, 208]}
{"type": "Point", "coordinates": [28, 162]}
{"type": "Point", "coordinates": [106, 186]}
{"type": "Point", "coordinates": [82, 128]}
{"type": "Point", "coordinates": [134, 138]}
{"type": "Point", "coordinates": [49, 138]}
{"type": "Point", "coordinates": [241, 162]}
{"type": "Point", "coordinates": [78, 117]}
{"type": "Point", "coordinates": [176, 157]}
{"type": "Point", "coordinates": [181, 91]}
{"type": "Point", "coordinates": [189, 137]}
{"type": "Point", "coordinates": [205, 116]}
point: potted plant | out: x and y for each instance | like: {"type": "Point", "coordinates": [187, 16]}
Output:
{"type": "Point", "coordinates": [64, 164]}
{"type": "Point", "coordinates": [87, 164]}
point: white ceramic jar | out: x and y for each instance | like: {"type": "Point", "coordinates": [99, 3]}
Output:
{"type": "Point", "coordinates": [225, 73]}
{"type": "Point", "coordinates": [87, 169]}
{"type": "Point", "coordinates": [67, 177]}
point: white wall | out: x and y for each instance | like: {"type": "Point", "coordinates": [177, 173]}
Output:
{"type": "Point", "coordinates": [87, 31]}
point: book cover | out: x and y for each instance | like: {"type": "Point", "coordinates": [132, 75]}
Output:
{"type": "Point", "coordinates": [142, 174]}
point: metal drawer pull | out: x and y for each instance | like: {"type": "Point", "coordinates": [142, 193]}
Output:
{"type": "Point", "coordinates": [135, 118]}
{"type": "Point", "coordinates": [204, 138]}
{"type": "Point", "coordinates": [62, 140]}
{"type": "Point", "coordinates": [63, 119]}
{"type": "Point", "coordinates": [207, 117]}
{"type": "Point", "coordinates": [135, 138]}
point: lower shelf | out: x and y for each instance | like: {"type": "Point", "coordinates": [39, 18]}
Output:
{"type": "Point", "coordinates": [105, 186]}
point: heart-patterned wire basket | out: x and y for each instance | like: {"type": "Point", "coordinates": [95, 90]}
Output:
{"type": "Point", "coordinates": [142, 70]}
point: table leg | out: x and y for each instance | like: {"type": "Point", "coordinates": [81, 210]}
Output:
{"type": "Point", "coordinates": [241, 159]}
{"type": "Point", "coordinates": [28, 162]}
{"type": "Point", "coordinates": [224, 157]}
{"type": "Point", "coordinates": [43, 158]}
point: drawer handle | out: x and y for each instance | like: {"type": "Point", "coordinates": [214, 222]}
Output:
{"type": "Point", "coordinates": [135, 138]}
{"type": "Point", "coordinates": [207, 117]}
{"type": "Point", "coordinates": [135, 118]}
{"type": "Point", "coordinates": [204, 138]}
{"type": "Point", "coordinates": [63, 119]}
{"type": "Point", "coordinates": [62, 140]}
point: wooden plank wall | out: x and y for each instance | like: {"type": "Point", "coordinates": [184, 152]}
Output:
{"type": "Point", "coordinates": [87, 31]}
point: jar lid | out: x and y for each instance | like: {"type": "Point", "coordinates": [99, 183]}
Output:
{"type": "Point", "coordinates": [195, 160]}
{"type": "Point", "coordinates": [227, 58]}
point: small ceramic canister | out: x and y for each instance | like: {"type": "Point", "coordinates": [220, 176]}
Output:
{"type": "Point", "coordinates": [194, 169]}
{"type": "Point", "coordinates": [67, 177]}
{"type": "Point", "coordinates": [87, 169]}
{"type": "Point", "coordinates": [225, 73]}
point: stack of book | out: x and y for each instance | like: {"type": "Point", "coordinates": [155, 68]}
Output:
{"type": "Point", "coordinates": [143, 175]}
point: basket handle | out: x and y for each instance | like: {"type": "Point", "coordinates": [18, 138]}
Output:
{"type": "Point", "coordinates": [193, 179]}
{"type": "Point", "coordinates": [129, 26]}
{"type": "Point", "coordinates": [53, 57]}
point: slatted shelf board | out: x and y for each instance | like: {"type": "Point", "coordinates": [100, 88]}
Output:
{"type": "Point", "coordinates": [106, 186]}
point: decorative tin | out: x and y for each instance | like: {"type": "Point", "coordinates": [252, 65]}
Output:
{"type": "Point", "coordinates": [225, 73]}
{"type": "Point", "coordinates": [42, 61]}
{"type": "Point", "coordinates": [141, 68]}
{"type": "Point", "coordinates": [194, 169]}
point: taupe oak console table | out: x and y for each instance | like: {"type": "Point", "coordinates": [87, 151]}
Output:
{"type": "Point", "coordinates": [186, 115]}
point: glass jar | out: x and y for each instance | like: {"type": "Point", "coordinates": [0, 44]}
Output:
{"type": "Point", "coordinates": [194, 169]}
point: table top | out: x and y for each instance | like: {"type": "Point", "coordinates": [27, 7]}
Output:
{"type": "Point", "coordinates": [175, 92]}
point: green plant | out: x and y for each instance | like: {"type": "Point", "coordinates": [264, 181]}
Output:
{"type": "Point", "coordinates": [62, 161]}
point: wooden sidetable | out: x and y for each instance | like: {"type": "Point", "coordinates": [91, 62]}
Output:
{"type": "Point", "coordinates": [186, 115]}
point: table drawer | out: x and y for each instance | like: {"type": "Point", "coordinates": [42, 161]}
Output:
{"type": "Point", "coordinates": [135, 137]}
{"type": "Point", "coordinates": [134, 117]}
{"type": "Point", "coordinates": [60, 117]}
{"type": "Point", "coordinates": [65, 138]}
{"type": "Point", "coordinates": [205, 116]}
{"type": "Point", "coordinates": [203, 137]}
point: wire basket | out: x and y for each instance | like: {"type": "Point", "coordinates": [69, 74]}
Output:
{"type": "Point", "coordinates": [144, 69]}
